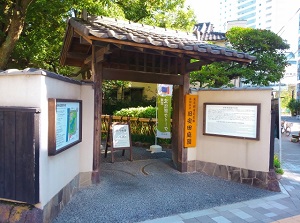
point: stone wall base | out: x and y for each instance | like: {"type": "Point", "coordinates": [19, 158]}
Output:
{"type": "Point", "coordinates": [265, 180]}
{"type": "Point", "coordinates": [11, 212]}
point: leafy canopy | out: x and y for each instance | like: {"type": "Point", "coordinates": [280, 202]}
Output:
{"type": "Point", "coordinates": [42, 37]}
{"type": "Point", "coordinates": [268, 67]}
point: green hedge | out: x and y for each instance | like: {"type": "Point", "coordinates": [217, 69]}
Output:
{"type": "Point", "coordinates": [139, 112]}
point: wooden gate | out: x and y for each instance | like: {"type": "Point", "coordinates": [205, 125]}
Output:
{"type": "Point", "coordinates": [19, 154]}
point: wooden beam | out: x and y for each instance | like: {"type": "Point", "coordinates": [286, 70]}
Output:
{"type": "Point", "coordinates": [80, 56]}
{"type": "Point", "coordinates": [99, 55]}
{"type": "Point", "coordinates": [178, 52]}
{"type": "Point", "coordinates": [66, 46]}
{"type": "Point", "coordinates": [83, 36]}
{"type": "Point", "coordinates": [183, 89]}
{"type": "Point", "coordinates": [196, 65]}
{"type": "Point", "coordinates": [83, 41]}
{"type": "Point", "coordinates": [139, 76]}
{"type": "Point", "coordinates": [97, 70]}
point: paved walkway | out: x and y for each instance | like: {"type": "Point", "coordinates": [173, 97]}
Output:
{"type": "Point", "coordinates": [283, 207]}
{"type": "Point", "coordinates": [116, 202]}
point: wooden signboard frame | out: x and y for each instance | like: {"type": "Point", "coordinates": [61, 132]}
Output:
{"type": "Point", "coordinates": [57, 118]}
{"type": "Point", "coordinates": [119, 138]}
{"type": "Point", "coordinates": [234, 120]}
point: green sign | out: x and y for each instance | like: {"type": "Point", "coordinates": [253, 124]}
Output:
{"type": "Point", "coordinates": [164, 117]}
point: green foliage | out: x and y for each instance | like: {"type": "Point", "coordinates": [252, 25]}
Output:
{"type": "Point", "coordinates": [139, 112]}
{"type": "Point", "coordinates": [277, 165]}
{"type": "Point", "coordinates": [112, 105]}
{"type": "Point", "coordinates": [41, 40]}
{"type": "Point", "coordinates": [143, 138]}
{"type": "Point", "coordinates": [294, 106]}
{"type": "Point", "coordinates": [279, 171]}
{"type": "Point", "coordinates": [268, 67]}
{"type": "Point", "coordinates": [276, 161]}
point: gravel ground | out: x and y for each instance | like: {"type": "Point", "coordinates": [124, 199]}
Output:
{"type": "Point", "coordinates": [139, 153]}
{"type": "Point", "coordinates": [148, 189]}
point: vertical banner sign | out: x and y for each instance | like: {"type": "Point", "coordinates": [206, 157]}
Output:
{"type": "Point", "coordinates": [190, 120]}
{"type": "Point", "coordinates": [164, 98]}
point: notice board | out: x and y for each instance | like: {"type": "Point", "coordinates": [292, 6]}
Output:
{"type": "Point", "coordinates": [232, 120]}
{"type": "Point", "coordinates": [64, 124]}
{"type": "Point", "coordinates": [118, 138]}
{"type": "Point", "coordinates": [120, 135]}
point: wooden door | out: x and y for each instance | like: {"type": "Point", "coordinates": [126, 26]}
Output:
{"type": "Point", "coordinates": [19, 154]}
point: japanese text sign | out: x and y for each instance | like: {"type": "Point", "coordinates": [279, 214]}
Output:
{"type": "Point", "coordinates": [190, 120]}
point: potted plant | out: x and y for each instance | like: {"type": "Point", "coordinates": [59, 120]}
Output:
{"type": "Point", "coordinates": [277, 166]}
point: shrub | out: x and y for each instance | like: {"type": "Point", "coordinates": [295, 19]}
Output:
{"type": "Point", "coordinates": [277, 165]}
{"type": "Point", "coordinates": [276, 162]}
{"type": "Point", "coordinates": [139, 112]}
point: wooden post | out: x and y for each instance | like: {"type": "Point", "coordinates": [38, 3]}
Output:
{"type": "Point", "coordinates": [97, 70]}
{"type": "Point", "coordinates": [183, 89]}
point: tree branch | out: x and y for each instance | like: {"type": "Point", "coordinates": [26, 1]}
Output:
{"type": "Point", "coordinates": [14, 29]}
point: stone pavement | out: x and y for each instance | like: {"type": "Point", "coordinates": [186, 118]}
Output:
{"type": "Point", "coordinates": [283, 207]}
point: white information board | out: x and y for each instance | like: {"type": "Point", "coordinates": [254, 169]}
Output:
{"type": "Point", "coordinates": [232, 120]}
{"type": "Point", "coordinates": [120, 136]}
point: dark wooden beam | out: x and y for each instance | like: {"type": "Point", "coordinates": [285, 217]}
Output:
{"type": "Point", "coordinates": [83, 36]}
{"type": "Point", "coordinates": [97, 70]}
{"type": "Point", "coordinates": [66, 46]}
{"type": "Point", "coordinates": [177, 52]}
{"type": "Point", "coordinates": [196, 65]}
{"type": "Point", "coordinates": [99, 55]}
{"type": "Point", "coordinates": [83, 41]}
{"type": "Point", "coordinates": [80, 56]}
{"type": "Point", "coordinates": [139, 76]}
{"type": "Point", "coordinates": [183, 90]}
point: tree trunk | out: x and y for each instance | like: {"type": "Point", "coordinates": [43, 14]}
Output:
{"type": "Point", "coordinates": [15, 26]}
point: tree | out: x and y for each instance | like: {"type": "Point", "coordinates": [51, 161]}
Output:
{"type": "Point", "coordinates": [12, 17]}
{"type": "Point", "coordinates": [294, 106]}
{"type": "Point", "coordinates": [268, 67]}
{"type": "Point", "coordinates": [45, 23]}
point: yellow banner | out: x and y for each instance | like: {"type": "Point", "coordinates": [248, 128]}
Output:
{"type": "Point", "coordinates": [190, 120]}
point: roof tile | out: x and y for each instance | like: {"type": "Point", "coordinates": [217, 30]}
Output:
{"type": "Point", "coordinates": [103, 27]}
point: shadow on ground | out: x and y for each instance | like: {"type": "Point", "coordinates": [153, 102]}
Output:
{"type": "Point", "coordinates": [152, 188]}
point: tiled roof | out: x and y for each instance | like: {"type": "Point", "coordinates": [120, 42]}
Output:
{"type": "Point", "coordinates": [204, 31]}
{"type": "Point", "coordinates": [109, 28]}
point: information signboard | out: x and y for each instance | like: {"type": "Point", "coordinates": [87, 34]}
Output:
{"type": "Point", "coordinates": [190, 120]}
{"type": "Point", "coordinates": [232, 120]}
{"type": "Point", "coordinates": [121, 136]}
{"type": "Point", "coordinates": [118, 138]}
{"type": "Point", "coordinates": [64, 124]}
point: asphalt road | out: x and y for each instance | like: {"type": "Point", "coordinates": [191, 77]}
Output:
{"type": "Point", "coordinates": [290, 152]}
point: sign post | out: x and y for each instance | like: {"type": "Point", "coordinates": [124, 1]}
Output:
{"type": "Point", "coordinates": [119, 138]}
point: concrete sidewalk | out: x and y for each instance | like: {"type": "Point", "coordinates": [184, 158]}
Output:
{"type": "Point", "coordinates": [283, 207]}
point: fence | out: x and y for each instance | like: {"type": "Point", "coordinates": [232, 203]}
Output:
{"type": "Point", "coordinates": [141, 128]}
{"type": "Point", "coordinates": [138, 126]}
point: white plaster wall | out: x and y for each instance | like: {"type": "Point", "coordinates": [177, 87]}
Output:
{"type": "Point", "coordinates": [20, 90]}
{"type": "Point", "coordinates": [56, 171]}
{"type": "Point", "coordinates": [86, 148]}
{"type": "Point", "coordinates": [33, 90]}
{"type": "Point", "coordinates": [242, 153]}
